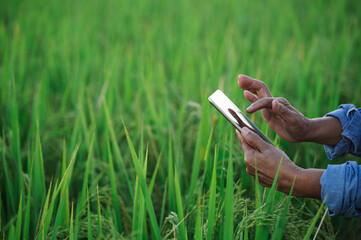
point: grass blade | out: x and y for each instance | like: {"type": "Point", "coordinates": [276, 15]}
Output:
{"type": "Point", "coordinates": [49, 204]}
{"type": "Point", "coordinates": [212, 199]}
{"type": "Point", "coordinates": [182, 228]}
{"type": "Point", "coordinates": [142, 228]}
{"type": "Point", "coordinates": [9, 186]}
{"type": "Point", "coordinates": [257, 201]}
{"type": "Point", "coordinates": [269, 202]}
{"type": "Point", "coordinates": [171, 194]}
{"type": "Point", "coordinates": [19, 219]}
{"type": "Point", "coordinates": [163, 206]}
{"type": "Point", "coordinates": [99, 214]}
{"type": "Point", "coordinates": [281, 219]}
{"type": "Point", "coordinates": [71, 230]}
{"type": "Point", "coordinates": [313, 223]}
{"type": "Point", "coordinates": [113, 186]}
{"type": "Point", "coordinates": [202, 131]}
{"type": "Point", "coordinates": [81, 203]}
{"type": "Point", "coordinates": [198, 228]}
{"type": "Point", "coordinates": [228, 217]}
{"type": "Point", "coordinates": [117, 150]}
{"type": "Point", "coordinates": [135, 227]}
{"type": "Point", "coordinates": [143, 185]}
{"type": "Point", "coordinates": [90, 231]}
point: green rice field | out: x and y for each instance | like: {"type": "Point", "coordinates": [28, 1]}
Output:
{"type": "Point", "coordinates": [106, 131]}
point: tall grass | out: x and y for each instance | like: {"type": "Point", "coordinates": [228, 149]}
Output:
{"type": "Point", "coordinates": [106, 131]}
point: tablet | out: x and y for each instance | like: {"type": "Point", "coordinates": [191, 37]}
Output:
{"type": "Point", "coordinates": [233, 114]}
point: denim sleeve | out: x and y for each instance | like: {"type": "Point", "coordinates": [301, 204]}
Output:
{"type": "Point", "coordinates": [340, 189]}
{"type": "Point", "coordinates": [350, 119]}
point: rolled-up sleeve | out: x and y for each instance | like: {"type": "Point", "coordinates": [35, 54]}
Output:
{"type": "Point", "coordinates": [341, 184]}
{"type": "Point", "coordinates": [340, 189]}
{"type": "Point", "coordinates": [350, 119]}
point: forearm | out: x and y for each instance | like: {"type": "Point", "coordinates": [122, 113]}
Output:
{"type": "Point", "coordinates": [325, 130]}
{"type": "Point", "coordinates": [307, 182]}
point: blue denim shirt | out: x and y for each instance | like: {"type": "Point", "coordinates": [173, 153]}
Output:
{"type": "Point", "coordinates": [341, 184]}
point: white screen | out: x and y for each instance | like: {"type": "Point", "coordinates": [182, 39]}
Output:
{"type": "Point", "coordinates": [223, 103]}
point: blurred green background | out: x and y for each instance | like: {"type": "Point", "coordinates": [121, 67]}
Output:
{"type": "Point", "coordinates": [70, 71]}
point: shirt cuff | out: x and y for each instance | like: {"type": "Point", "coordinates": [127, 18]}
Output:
{"type": "Point", "coordinates": [339, 191]}
{"type": "Point", "coordinates": [350, 119]}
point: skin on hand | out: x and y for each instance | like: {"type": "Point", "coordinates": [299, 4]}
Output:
{"type": "Point", "coordinates": [286, 120]}
{"type": "Point", "coordinates": [268, 158]}
{"type": "Point", "coordinates": [283, 118]}
{"type": "Point", "coordinates": [292, 126]}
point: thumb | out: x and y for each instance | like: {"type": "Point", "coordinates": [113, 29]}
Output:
{"type": "Point", "coordinates": [252, 139]}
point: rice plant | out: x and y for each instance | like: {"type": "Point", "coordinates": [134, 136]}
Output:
{"type": "Point", "coordinates": [107, 133]}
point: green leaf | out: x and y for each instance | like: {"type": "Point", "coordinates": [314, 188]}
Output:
{"type": "Point", "coordinates": [113, 186]}
{"type": "Point", "coordinates": [19, 219]}
{"type": "Point", "coordinates": [71, 230]}
{"type": "Point", "coordinates": [198, 228]}
{"type": "Point", "coordinates": [118, 155]}
{"type": "Point", "coordinates": [212, 199]}
{"type": "Point", "coordinates": [182, 228]}
{"type": "Point", "coordinates": [90, 230]}
{"type": "Point", "coordinates": [281, 219]}
{"type": "Point", "coordinates": [269, 202]}
{"type": "Point", "coordinates": [99, 214]}
{"type": "Point", "coordinates": [313, 223]}
{"type": "Point", "coordinates": [143, 185]}
{"type": "Point", "coordinates": [228, 217]}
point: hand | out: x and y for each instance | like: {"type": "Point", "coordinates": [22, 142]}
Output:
{"type": "Point", "coordinates": [268, 158]}
{"type": "Point", "coordinates": [284, 119]}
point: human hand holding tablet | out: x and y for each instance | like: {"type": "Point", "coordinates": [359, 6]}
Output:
{"type": "Point", "coordinates": [233, 114]}
{"type": "Point", "coordinates": [255, 145]}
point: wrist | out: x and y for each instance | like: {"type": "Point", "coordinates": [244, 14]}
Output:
{"type": "Point", "coordinates": [325, 130]}
{"type": "Point", "coordinates": [288, 176]}
{"type": "Point", "coordinates": [311, 130]}
{"type": "Point", "coordinates": [305, 130]}
{"type": "Point", "coordinates": [308, 184]}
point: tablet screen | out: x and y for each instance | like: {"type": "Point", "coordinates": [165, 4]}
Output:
{"type": "Point", "coordinates": [230, 111]}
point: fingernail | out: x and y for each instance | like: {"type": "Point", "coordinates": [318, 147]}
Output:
{"type": "Point", "coordinates": [245, 130]}
{"type": "Point", "coordinates": [249, 108]}
{"type": "Point", "coordinates": [277, 103]}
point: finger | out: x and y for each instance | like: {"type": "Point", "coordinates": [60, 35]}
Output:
{"type": "Point", "coordinates": [239, 121]}
{"type": "Point", "coordinates": [260, 104]}
{"type": "Point", "coordinates": [245, 147]}
{"type": "Point", "coordinates": [253, 140]}
{"type": "Point", "coordinates": [255, 86]}
{"type": "Point", "coordinates": [281, 107]}
{"type": "Point", "coordinates": [250, 172]}
{"type": "Point", "coordinates": [249, 96]}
